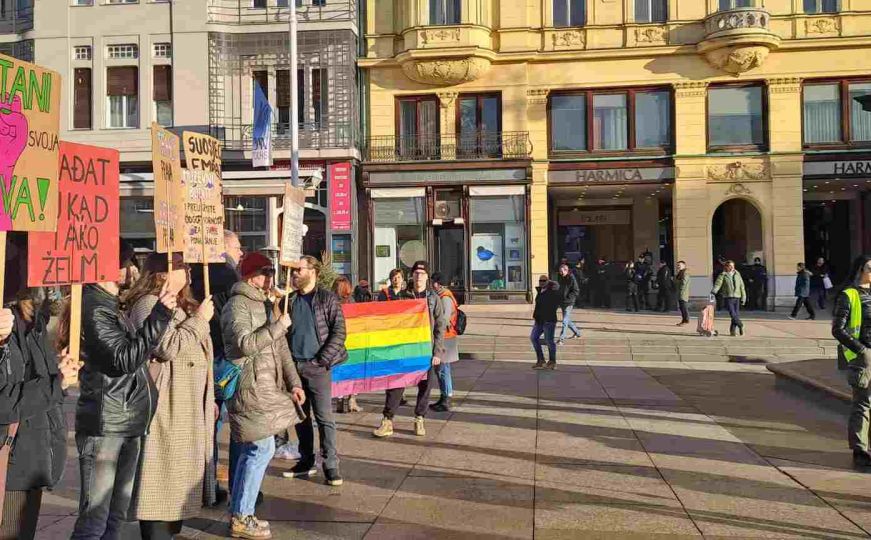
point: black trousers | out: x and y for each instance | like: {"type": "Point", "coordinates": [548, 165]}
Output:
{"type": "Point", "coordinates": [317, 383]}
{"type": "Point", "coordinates": [20, 514]}
{"type": "Point", "coordinates": [424, 387]}
{"type": "Point", "coordinates": [663, 300]}
{"type": "Point", "coordinates": [684, 313]}
{"type": "Point", "coordinates": [799, 300]}
{"type": "Point", "coordinates": [631, 301]}
{"type": "Point", "coordinates": [159, 530]}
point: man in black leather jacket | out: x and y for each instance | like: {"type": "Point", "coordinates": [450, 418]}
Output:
{"type": "Point", "coordinates": [855, 352]}
{"type": "Point", "coordinates": [116, 403]}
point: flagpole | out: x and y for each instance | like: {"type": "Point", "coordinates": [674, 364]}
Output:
{"type": "Point", "coordinates": [294, 100]}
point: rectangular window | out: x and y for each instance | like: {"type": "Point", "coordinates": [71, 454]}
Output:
{"type": "Point", "coordinates": [122, 1]}
{"type": "Point", "coordinates": [479, 119]}
{"type": "Point", "coordinates": [569, 13]}
{"type": "Point", "coordinates": [246, 216]}
{"type": "Point", "coordinates": [822, 6]}
{"type": "Point", "coordinates": [400, 235]}
{"type": "Point", "coordinates": [735, 117]}
{"type": "Point", "coordinates": [442, 12]}
{"type": "Point", "coordinates": [82, 52]}
{"type": "Point", "coordinates": [163, 95]}
{"type": "Point", "coordinates": [609, 121]}
{"type": "Point", "coordinates": [300, 97]}
{"type": "Point", "coordinates": [498, 243]}
{"type": "Point", "coordinates": [726, 5]}
{"type": "Point", "coordinates": [822, 113]}
{"type": "Point", "coordinates": [259, 4]}
{"type": "Point", "coordinates": [320, 95]}
{"type": "Point", "coordinates": [650, 11]}
{"type": "Point", "coordinates": [122, 99]}
{"type": "Point", "coordinates": [82, 98]}
{"type": "Point", "coordinates": [418, 127]}
{"type": "Point", "coordinates": [860, 116]}
{"type": "Point", "coordinates": [260, 78]}
{"type": "Point", "coordinates": [127, 51]}
{"type": "Point", "coordinates": [282, 99]}
{"type": "Point", "coordinates": [83, 2]}
{"type": "Point", "coordinates": [163, 50]}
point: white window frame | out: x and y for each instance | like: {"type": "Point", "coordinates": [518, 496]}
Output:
{"type": "Point", "coordinates": [568, 8]}
{"type": "Point", "coordinates": [135, 119]}
{"type": "Point", "coordinates": [162, 50]}
{"type": "Point", "coordinates": [121, 2]}
{"type": "Point", "coordinates": [122, 51]}
{"type": "Point", "coordinates": [82, 52]}
{"type": "Point", "coordinates": [444, 6]}
{"type": "Point", "coordinates": [819, 8]}
{"type": "Point", "coordinates": [650, 4]}
{"type": "Point", "coordinates": [82, 2]}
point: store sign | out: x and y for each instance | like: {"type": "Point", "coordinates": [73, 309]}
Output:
{"type": "Point", "coordinates": [598, 217]}
{"type": "Point", "coordinates": [611, 176]}
{"type": "Point", "coordinates": [444, 177]}
{"type": "Point", "coordinates": [340, 196]}
{"type": "Point", "coordinates": [838, 168]}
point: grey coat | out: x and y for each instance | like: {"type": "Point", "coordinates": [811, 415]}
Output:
{"type": "Point", "coordinates": [262, 405]}
{"type": "Point", "coordinates": [803, 284]}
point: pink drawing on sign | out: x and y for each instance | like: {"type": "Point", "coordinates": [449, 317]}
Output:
{"type": "Point", "coordinates": [13, 139]}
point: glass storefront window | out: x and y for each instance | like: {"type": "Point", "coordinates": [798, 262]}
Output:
{"type": "Point", "coordinates": [610, 122]}
{"type": "Point", "coordinates": [822, 113]}
{"type": "Point", "coordinates": [399, 241]}
{"type": "Point", "coordinates": [498, 256]}
{"type": "Point", "coordinates": [246, 216]}
{"type": "Point", "coordinates": [652, 119]}
{"type": "Point", "coordinates": [735, 117]}
{"type": "Point", "coordinates": [860, 119]}
{"type": "Point", "coordinates": [568, 122]}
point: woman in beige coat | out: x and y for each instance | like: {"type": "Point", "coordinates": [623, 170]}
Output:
{"type": "Point", "coordinates": [175, 477]}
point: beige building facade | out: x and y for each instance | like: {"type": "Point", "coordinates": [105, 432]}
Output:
{"type": "Point", "coordinates": [684, 129]}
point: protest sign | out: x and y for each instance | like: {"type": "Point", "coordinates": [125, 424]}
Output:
{"type": "Point", "coordinates": [29, 122]}
{"type": "Point", "coordinates": [292, 230]}
{"type": "Point", "coordinates": [202, 152]}
{"type": "Point", "coordinates": [84, 249]}
{"type": "Point", "coordinates": [203, 218]}
{"type": "Point", "coordinates": [168, 190]}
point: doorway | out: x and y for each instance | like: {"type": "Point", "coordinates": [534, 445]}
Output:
{"type": "Point", "coordinates": [450, 258]}
{"type": "Point", "coordinates": [736, 232]}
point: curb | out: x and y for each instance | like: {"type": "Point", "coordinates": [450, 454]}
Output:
{"type": "Point", "coordinates": [781, 370]}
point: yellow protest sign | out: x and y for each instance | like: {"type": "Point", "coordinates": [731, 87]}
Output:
{"type": "Point", "coordinates": [169, 193]}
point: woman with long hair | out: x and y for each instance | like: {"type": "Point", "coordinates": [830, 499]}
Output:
{"type": "Point", "coordinates": [343, 289]}
{"type": "Point", "coordinates": [851, 326]}
{"type": "Point", "coordinates": [179, 442]}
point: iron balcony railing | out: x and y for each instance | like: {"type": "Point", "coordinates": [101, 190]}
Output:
{"type": "Point", "coordinates": [312, 136]}
{"type": "Point", "coordinates": [473, 146]}
{"type": "Point", "coordinates": [16, 16]}
{"type": "Point", "coordinates": [277, 11]}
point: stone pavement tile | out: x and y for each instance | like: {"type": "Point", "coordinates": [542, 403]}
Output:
{"type": "Point", "coordinates": [489, 433]}
{"type": "Point", "coordinates": [717, 446]}
{"type": "Point", "coordinates": [473, 505]}
{"type": "Point", "coordinates": [483, 422]}
{"type": "Point", "coordinates": [296, 530]}
{"type": "Point", "coordinates": [55, 505]}
{"type": "Point", "coordinates": [596, 445]}
{"type": "Point", "coordinates": [387, 529]}
{"type": "Point", "coordinates": [560, 520]}
{"type": "Point", "coordinates": [497, 463]}
{"type": "Point", "coordinates": [602, 484]}
{"type": "Point", "coordinates": [576, 420]}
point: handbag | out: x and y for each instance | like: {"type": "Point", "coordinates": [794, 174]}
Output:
{"type": "Point", "coordinates": [226, 379]}
{"type": "Point", "coordinates": [827, 282]}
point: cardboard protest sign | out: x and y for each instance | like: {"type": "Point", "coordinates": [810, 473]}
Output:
{"type": "Point", "coordinates": [203, 217]}
{"type": "Point", "coordinates": [202, 152]}
{"type": "Point", "coordinates": [292, 231]}
{"type": "Point", "coordinates": [29, 122]}
{"type": "Point", "coordinates": [84, 249]}
{"type": "Point", "coordinates": [168, 190]}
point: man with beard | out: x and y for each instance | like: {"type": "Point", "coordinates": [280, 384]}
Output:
{"type": "Point", "coordinates": [317, 343]}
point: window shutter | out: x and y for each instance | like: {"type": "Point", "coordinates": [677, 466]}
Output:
{"type": "Point", "coordinates": [162, 83]}
{"type": "Point", "coordinates": [123, 81]}
{"type": "Point", "coordinates": [82, 99]}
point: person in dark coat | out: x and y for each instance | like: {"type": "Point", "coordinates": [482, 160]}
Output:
{"type": "Point", "coordinates": [580, 271]}
{"type": "Point", "coordinates": [645, 276]}
{"type": "Point", "coordinates": [544, 317]}
{"type": "Point", "coordinates": [631, 287]}
{"type": "Point", "coordinates": [568, 288]}
{"type": "Point", "coordinates": [363, 293]}
{"type": "Point", "coordinates": [757, 285]}
{"type": "Point", "coordinates": [599, 283]}
{"type": "Point", "coordinates": [802, 292]}
{"type": "Point", "coordinates": [665, 290]}
{"type": "Point", "coordinates": [819, 273]}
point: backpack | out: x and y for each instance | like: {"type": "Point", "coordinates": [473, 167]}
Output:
{"type": "Point", "coordinates": [461, 322]}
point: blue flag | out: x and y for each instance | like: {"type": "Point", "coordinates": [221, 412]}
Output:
{"type": "Point", "coordinates": [261, 155]}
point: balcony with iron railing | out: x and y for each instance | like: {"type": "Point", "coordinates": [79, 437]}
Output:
{"type": "Point", "coordinates": [16, 17]}
{"type": "Point", "coordinates": [738, 40]}
{"type": "Point", "coordinates": [486, 145]}
{"type": "Point", "coordinates": [240, 12]}
{"type": "Point", "coordinates": [312, 136]}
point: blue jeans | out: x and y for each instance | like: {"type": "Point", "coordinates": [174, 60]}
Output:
{"type": "Point", "coordinates": [548, 329]}
{"type": "Point", "coordinates": [446, 383]}
{"type": "Point", "coordinates": [734, 305]}
{"type": "Point", "coordinates": [568, 324]}
{"type": "Point", "coordinates": [254, 459]}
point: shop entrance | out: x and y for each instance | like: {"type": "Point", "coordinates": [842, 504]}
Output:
{"type": "Point", "coordinates": [736, 232]}
{"type": "Point", "coordinates": [450, 258]}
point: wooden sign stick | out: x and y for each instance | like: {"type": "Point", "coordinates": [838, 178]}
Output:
{"type": "Point", "coordinates": [287, 290]}
{"type": "Point", "coordinates": [2, 264]}
{"type": "Point", "coordinates": [75, 320]}
{"type": "Point", "coordinates": [206, 286]}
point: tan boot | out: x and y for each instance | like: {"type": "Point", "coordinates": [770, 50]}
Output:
{"type": "Point", "coordinates": [385, 429]}
{"type": "Point", "coordinates": [352, 405]}
{"type": "Point", "coordinates": [419, 429]}
{"type": "Point", "coordinates": [249, 527]}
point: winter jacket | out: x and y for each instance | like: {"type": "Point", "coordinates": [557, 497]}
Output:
{"type": "Point", "coordinates": [664, 280]}
{"type": "Point", "coordinates": [682, 285]}
{"type": "Point", "coordinates": [222, 277]}
{"type": "Point", "coordinates": [262, 405]}
{"type": "Point", "coordinates": [803, 284]}
{"type": "Point", "coordinates": [631, 281]}
{"type": "Point", "coordinates": [179, 444]}
{"type": "Point", "coordinates": [568, 289]}
{"type": "Point", "coordinates": [644, 275]}
{"type": "Point", "coordinates": [842, 319]}
{"type": "Point", "coordinates": [388, 293]}
{"type": "Point", "coordinates": [39, 453]}
{"type": "Point", "coordinates": [330, 323]}
{"type": "Point", "coordinates": [818, 274]}
{"type": "Point", "coordinates": [547, 303]}
{"type": "Point", "coordinates": [363, 295]}
{"type": "Point", "coordinates": [730, 286]}
{"type": "Point", "coordinates": [116, 395]}
{"type": "Point", "coordinates": [437, 320]}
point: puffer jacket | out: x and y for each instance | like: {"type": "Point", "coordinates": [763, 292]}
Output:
{"type": "Point", "coordinates": [116, 395]}
{"type": "Point", "coordinates": [730, 286]}
{"type": "Point", "coordinates": [842, 319]}
{"type": "Point", "coordinates": [262, 405]}
{"type": "Point", "coordinates": [330, 322]}
{"type": "Point", "coordinates": [682, 285]}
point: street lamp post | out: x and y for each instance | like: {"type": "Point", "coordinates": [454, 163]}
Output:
{"type": "Point", "coordinates": [294, 100]}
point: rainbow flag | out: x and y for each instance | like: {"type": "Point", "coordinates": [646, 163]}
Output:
{"type": "Point", "coordinates": [389, 346]}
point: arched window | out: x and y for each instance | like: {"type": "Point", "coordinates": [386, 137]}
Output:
{"type": "Point", "coordinates": [569, 13]}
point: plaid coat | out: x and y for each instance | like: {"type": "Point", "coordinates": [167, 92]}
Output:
{"type": "Point", "coordinates": [176, 471]}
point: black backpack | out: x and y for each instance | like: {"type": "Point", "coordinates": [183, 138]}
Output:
{"type": "Point", "coordinates": [461, 322]}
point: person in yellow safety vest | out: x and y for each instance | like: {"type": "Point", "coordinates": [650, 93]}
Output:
{"type": "Point", "coordinates": [852, 328]}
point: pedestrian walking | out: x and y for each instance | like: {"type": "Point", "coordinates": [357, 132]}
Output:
{"type": "Point", "coordinates": [117, 400]}
{"type": "Point", "coordinates": [802, 292]}
{"type": "Point", "coordinates": [821, 282]}
{"type": "Point", "coordinates": [851, 326]}
{"type": "Point", "coordinates": [317, 344]}
{"type": "Point", "coordinates": [268, 387]}
{"type": "Point", "coordinates": [665, 288]}
{"type": "Point", "coordinates": [730, 285]}
{"type": "Point", "coordinates": [547, 302]}
{"type": "Point", "coordinates": [682, 286]}
{"type": "Point", "coordinates": [568, 288]}
{"type": "Point", "coordinates": [452, 345]}
{"type": "Point", "coordinates": [419, 289]}
{"type": "Point", "coordinates": [342, 289]}
{"type": "Point", "coordinates": [179, 443]}
{"type": "Point", "coordinates": [395, 289]}
{"type": "Point", "coordinates": [632, 280]}
{"type": "Point", "coordinates": [32, 417]}
{"type": "Point", "coordinates": [362, 292]}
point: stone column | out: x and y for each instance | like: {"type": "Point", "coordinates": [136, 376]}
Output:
{"type": "Point", "coordinates": [448, 102]}
{"type": "Point", "coordinates": [536, 116]}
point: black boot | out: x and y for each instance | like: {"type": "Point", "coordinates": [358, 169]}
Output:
{"type": "Point", "coordinates": [861, 459]}
{"type": "Point", "coordinates": [442, 405]}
